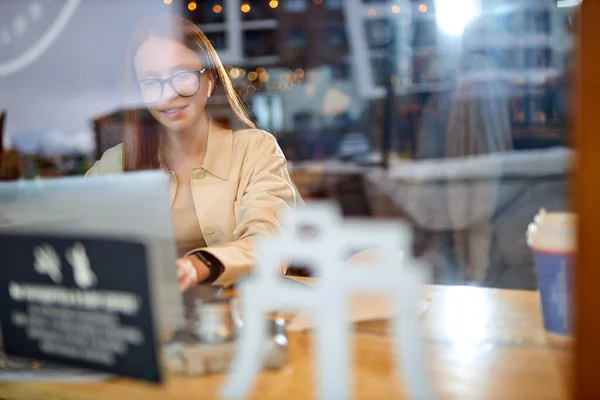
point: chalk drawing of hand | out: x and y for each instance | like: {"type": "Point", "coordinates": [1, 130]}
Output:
{"type": "Point", "coordinates": [47, 262]}
{"type": "Point", "coordinates": [82, 272]}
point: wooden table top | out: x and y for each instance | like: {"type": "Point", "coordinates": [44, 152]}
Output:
{"type": "Point", "coordinates": [479, 344]}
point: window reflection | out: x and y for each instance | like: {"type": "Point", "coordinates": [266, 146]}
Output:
{"type": "Point", "coordinates": [296, 37]}
{"type": "Point", "coordinates": [466, 102]}
{"type": "Point", "coordinates": [334, 4]}
{"type": "Point", "coordinates": [295, 5]}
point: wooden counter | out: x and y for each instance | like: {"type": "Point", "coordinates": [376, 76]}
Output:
{"type": "Point", "coordinates": [480, 344]}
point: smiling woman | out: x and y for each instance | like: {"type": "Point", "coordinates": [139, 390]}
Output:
{"type": "Point", "coordinates": [227, 186]}
{"type": "Point", "coordinates": [163, 47]}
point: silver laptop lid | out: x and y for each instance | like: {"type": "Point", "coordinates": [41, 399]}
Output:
{"type": "Point", "coordinates": [132, 206]}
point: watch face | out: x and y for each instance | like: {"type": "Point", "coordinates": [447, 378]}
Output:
{"type": "Point", "coordinates": [28, 28]}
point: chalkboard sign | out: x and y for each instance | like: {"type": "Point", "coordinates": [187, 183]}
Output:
{"type": "Point", "coordinates": [81, 302]}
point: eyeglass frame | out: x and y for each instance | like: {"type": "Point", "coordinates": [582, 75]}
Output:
{"type": "Point", "coordinates": [169, 80]}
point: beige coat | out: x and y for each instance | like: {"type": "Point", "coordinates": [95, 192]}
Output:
{"type": "Point", "coordinates": [237, 192]}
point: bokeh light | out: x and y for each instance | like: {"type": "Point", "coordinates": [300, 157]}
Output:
{"type": "Point", "coordinates": [263, 76]}
{"type": "Point", "coordinates": [234, 73]}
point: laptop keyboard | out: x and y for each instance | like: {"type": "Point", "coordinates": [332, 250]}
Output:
{"type": "Point", "coordinates": [18, 369]}
{"type": "Point", "coordinates": [9, 364]}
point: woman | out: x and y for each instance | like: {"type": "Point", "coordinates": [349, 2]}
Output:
{"type": "Point", "coordinates": [478, 124]}
{"type": "Point", "coordinates": [227, 187]}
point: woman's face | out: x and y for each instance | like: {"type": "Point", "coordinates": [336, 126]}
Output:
{"type": "Point", "coordinates": [183, 101]}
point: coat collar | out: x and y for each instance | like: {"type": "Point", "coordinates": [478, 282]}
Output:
{"type": "Point", "coordinates": [219, 151]}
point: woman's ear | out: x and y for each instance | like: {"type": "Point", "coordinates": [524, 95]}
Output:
{"type": "Point", "coordinates": [210, 87]}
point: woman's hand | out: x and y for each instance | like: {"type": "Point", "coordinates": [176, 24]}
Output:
{"type": "Point", "coordinates": [191, 271]}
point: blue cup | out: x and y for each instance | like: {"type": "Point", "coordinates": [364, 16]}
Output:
{"type": "Point", "coordinates": [554, 278]}
{"type": "Point", "coordinates": [552, 238]}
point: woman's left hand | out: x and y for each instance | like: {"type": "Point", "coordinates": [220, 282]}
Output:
{"type": "Point", "coordinates": [190, 271]}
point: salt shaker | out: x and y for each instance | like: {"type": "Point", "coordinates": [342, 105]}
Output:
{"type": "Point", "coordinates": [205, 343]}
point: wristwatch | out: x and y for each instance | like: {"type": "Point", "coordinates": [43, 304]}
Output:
{"type": "Point", "coordinates": [215, 267]}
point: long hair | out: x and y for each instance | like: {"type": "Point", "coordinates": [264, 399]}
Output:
{"type": "Point", "coordinates": [141, 136]}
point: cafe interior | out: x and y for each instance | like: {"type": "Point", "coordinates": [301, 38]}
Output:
{"type": "Point", "coordinates": [391, 199]}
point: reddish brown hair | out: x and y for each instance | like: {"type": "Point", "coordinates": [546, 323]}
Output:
{"type": "Point", "coordinates": [142, 135]}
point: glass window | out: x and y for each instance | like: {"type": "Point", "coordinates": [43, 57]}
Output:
{"type": "Point", "coordinates": [205, 12]}
{"type": "Point", "coordinates": [337, 35]}
{"type": "Point", "coordinates": [217, 39]}
{"type": "Point", "coordinates": [334, 4]}
{"type": "Point", "coordinates": [212, 11]}
{"type": "Point", "coordinates": [294, 5]}
{"type": "Point", "coordinates": [540, 21]}
{"type": "Point", "coordinates": [258, 43]}
{"type": "Point", "coordinates": [378, 70]}
{"type": "Point", "coordinates": [257, 10]}
{"type": "Point", "coordinates": [296, 37]}
{"type": "Point", "coordinates": [452, 115]}
{"type": "Point", "coordinates": [424, 33]}
{"type": "Point", "coordinates": [379, 32]}
{"type": "Point", "coordinates": [341, 70]}
{"type": "Point", "coordinates": [430, 83]}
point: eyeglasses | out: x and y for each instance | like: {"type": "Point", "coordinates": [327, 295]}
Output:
{"type": "Point", "coordinates": [185, 84]}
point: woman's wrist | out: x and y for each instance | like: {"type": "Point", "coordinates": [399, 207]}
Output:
{"type": "Point", "coordinates": [215, 267]}
{"type": "Point", "coordinates": [202, 270]}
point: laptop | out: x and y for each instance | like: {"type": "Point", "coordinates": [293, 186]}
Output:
{"type": "Point", "coordinates": [132, 207]}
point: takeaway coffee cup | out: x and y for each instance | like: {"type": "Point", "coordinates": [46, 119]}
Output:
{"type": "Point", "coordinates": [552, 237]}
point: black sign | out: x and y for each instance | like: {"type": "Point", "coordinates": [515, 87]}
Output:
{"type": "Point", "coordinates": [81, 302]}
